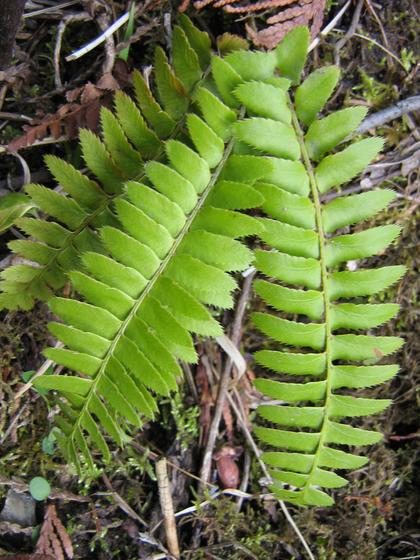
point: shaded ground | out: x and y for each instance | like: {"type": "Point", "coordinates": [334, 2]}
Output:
{"type": "Point", "coordinates": [117, 516]}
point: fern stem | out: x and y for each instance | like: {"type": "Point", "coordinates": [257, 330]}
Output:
{"type": "Point", "coordinates": [324, 286]}
{"type": "Point", "coordinates": [164, 263]}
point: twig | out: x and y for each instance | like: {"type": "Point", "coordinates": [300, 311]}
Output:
{"type": "Point", "coordinates": [108, 65]}
{"type": "Point", "coordinates": [43, 142]}
{"type": "Point", "coordinates": [100, 39]}
{"type": "Point", "coordinates": [84, 16]}
{"type": "Point", "coordinates": [138, 34]}
{"type": "Point", "coordinates": [155, 457]}
{"type": "Point", "coordinates": [190, 380]}
{"type": "Point", "coordinates": [226, 492]}
{"type": "Point", "coordinates": [387, 51]}
{"type": "Point", "coordinates": [330, 25]}
{"type": "Point", "coordinates": [57, 49]}
{"type": "Point", "coordinates": [56, 8]}
{"type": "Point", "coordinates": [350, 32]}
{"type": "Point", "coordinates": [122, 504]}
{"type": "Point", "coordinates": [390, 113]}
{"type": "Point", "coordinates": [167, 508]}
{"type": "Point", "coordinates": [381, 27]}
{"type": "Point", "coordinates": [47, 364]}
{"type": "Point", "coordinates": [245, 478]}
{"type": "Point", "coordinates": [241, 420]}
{"type": "Point", "coordinates": [257, 453]}
{"type": "Point", "coordinates": [14, 117]}
{"type": "Point", "coordinates": [224, 381]}
{"type": "Point", "coordinates": [13, 423]}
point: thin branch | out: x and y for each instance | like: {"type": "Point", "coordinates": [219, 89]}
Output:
{"type": "Point", "coordinates": [47, 364]}
{"type": "Point", "coordinates": [387, 51]}
{"type": "Point", "coordinates": [103, 22]}
{"type": "Point", "coordinates": [83, 16]}
{"type": "Point", "coordinates": [257, 453]}
{"type": "Point", "coordinates": [138, 34]}
{"type": "Point", "coordinates": [381, 27]}
{"type": "Point", "coordinates": [56, 8]}
{"type": "Point", "coordinates": [390, 113]}
{"type": "Point", "coordinates": [100, 39]}
{"type": "Point", "coordinates": [13, 423]}
{"type": "Point", "coordinates": [245, 478]}
{"type": "Point", "coordinates": [350, 32]}
{"type": "Point", "coordinates": [330, 25]}
{"type": "Point", "coordinates": [224, 381]}
{"type": "Point", "coordinates": [167, 508]}
{"type": "Point", "coordinates": [122, 504]}
{"type": "Point", "coordinates": [15, 117]}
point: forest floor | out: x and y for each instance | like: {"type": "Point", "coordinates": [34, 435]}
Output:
{"type": "Point", "coordinates": [117, 516]}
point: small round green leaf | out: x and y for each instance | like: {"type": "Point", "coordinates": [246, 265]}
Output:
{"type": "Point", "coordinates": [39, 488]}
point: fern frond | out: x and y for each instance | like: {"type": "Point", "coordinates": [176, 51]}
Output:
{"type": "Point", "coordinates": [164, 258]}
{"type": "Point", "coordinates": [306, 282]}
{"type": "Point", "coordinates": [150, 254]}
{"type": "Point", "coordinates": [130, 137]}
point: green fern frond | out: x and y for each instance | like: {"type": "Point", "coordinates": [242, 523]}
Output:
{"type": "Point", "coordinates": [306, 281]}
{"type": "Point", "coordinates": [164, 256]}
{"type": "Point", "coordinates": [130, 137]}
{"type": "Point", "coordinates": [150, 246]}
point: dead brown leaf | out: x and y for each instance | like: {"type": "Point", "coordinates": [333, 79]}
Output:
{"type": "Point", "coordinates": [287, 15]}
{"type": "Point", "coordinates": [82, 110]}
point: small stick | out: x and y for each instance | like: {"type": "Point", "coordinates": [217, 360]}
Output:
{"type": "Point", "coordinates": [257, 454]}
{"type": "Point", "coordinates": [388, 52]}
{"type": "Point", "coordinates": [83, 16]}
{"type": "Point", "coordinates": [350, 32]}
{"type": "Point", "coordinates": [138, 34]}
{"type": "Point", "coordinates": [396, 111]}
{"type": "Point", "coordinates": [122, 504]}
{"type": "Point", "coordinates": [330, 26]}
{"type": "Point", "coordinates": [167, 508]}
{"type": "Point", "coordinates": [108, 65]}
{"type": "Point", "coordinates": [224, 380]}
{"type": "Point", "coordinates": [245, 479]}
{"type": "Point", "coordinates": [14, 117]}
{"type": "Point", "coordinates": [100, 39]}
{"type": "Point", "coordinates": [48, 363]}
{"type": "Point", "coordinates": [56, 8]}
{"type": "Point", "coordinates": [381, 27]}
{"type": "Point", "coordinates": [13, 423]}
{"type": "Point", "coordinates": [190, 380]}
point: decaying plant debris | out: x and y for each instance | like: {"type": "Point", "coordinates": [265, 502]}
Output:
{"type": "Point", "coordinates": [117, 516]}
{"type": "Point", "coordinates": [280, 16]}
